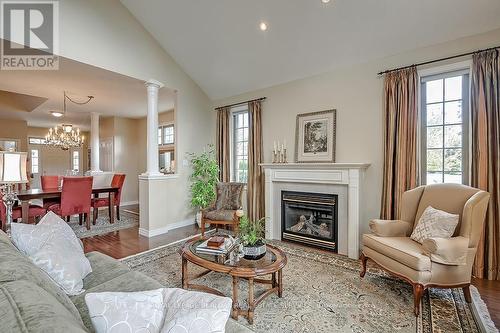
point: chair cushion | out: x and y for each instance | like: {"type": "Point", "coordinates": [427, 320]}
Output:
{"type": "Point", "coordinates": [100, 202]}
{"type": "Point", "coordinates": [220, 215]}
{"type": "Point", "coordinates": [26, 307]}
{"type": "Point", "coordinates": [401, 249]}
{"type": "Point", "coordinates": [229, 196]}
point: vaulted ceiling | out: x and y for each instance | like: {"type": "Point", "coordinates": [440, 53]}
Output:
{"type": "Point", "coordinates": [219, 43]}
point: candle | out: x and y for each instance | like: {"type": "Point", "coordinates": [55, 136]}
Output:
{"type": "Point", "coordinates": [279, 145]}
{"type": "Point", "coordinates": [284, 145]}
{"type": "Point", "coordinates": [274, 145]}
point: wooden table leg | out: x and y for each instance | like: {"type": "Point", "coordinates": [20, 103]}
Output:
{"type": "Point", "coordinates": [251, 303]}
{"type": "Point", "coordinates": [234, 312]}
{"type": "Point", "coordinates": [184, 274]}
{"type": "Point", "coordinates": [273, 280]}
{"type": "Point", "coordinates": [280, 283]}
{"type": "Point", "coordinates": [112, 210]}
{"type": "Point", "coordinates": [25, 207]}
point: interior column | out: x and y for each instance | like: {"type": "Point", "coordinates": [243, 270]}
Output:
{"type": "Point", "coordinates": [94, 142]}
{"type": "Point", "coordinates": [153, 168]}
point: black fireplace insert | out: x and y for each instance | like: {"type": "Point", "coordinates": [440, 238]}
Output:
{"type": "Point", "coordinates": [310, 218]}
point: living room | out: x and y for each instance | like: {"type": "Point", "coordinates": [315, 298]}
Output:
{"type": "Point", "coordinates": [332, 133]}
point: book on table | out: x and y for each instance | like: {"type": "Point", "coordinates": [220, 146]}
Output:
{"type": "Point", "coordinates": [223, 248]}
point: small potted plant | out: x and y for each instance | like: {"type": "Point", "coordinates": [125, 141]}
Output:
{"type": "Point", "coordinates": [251, 234]}
{"type": "Point", "coordinates": [204, 178]}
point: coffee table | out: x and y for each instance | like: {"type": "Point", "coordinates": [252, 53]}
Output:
{"type": "Point", "coordinates": [251, 270]}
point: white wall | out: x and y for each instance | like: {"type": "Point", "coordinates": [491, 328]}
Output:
{"type": "Point", "coordinates": [106, 35]}
{"type": "Point", "coordinates": [356, 93]}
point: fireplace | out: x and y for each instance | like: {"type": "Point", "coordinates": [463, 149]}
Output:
{"type": "Point", "coordinates": [310, 218]}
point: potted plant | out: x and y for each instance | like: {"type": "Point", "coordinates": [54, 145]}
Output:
{"type": "Point", "coordinates": [204, 178]}
{"type": "Point", "coordinates": [251, 234]}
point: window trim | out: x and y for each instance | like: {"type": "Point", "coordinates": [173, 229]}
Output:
{"type": "Point", "coordinates": [443, 72]}
{"type": "Point", "coordinates": [161, 127]}
{"type": "Point", "coordinates": [234, 112]}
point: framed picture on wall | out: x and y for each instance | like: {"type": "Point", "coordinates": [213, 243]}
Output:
{"type": "Point", "coordinates": [315, 137]}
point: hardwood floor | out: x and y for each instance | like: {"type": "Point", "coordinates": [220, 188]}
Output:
{"type": "Point", "coordinates": [126, 242]}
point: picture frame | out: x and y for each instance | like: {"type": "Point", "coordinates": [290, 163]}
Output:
{"type": "Point", "coordinates": [315, 134]}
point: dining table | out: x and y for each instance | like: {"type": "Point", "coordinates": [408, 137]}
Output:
{"type": "Point", "coordinates": [25, 196]}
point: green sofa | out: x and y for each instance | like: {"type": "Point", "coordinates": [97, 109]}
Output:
{"type": "Point", "coordinates": [31, 302]}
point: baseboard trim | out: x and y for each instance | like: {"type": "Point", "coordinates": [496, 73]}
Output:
{"type": "Point", "coordinates": [128, 203]}
{"type": "Point", "coordinates": [165, 229]}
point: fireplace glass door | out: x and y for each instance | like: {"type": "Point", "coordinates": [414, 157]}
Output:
{"type": "Point", "coordinates": [310, 218]}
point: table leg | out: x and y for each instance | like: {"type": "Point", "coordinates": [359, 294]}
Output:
{"type": "Point", "coordinates": [273, 280]}
{"type": "Point", "coordinates": [184, 274]}
{"type": "Point", "coordinates": [280, 283]}
{"type": "Point", "coordinates": [25, 207]}
{"type": "Point", "coordinates": [251, 302]}
{"type": "Point", "coordinates": [234, 313]}
{"type": "Point", "coordinates": [112, 210]}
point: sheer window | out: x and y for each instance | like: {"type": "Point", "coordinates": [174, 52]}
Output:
{"type": "Point", "coordinates": [240, 145]}
{"type": "Point", "coordinates": [445, 106]}
{"type": "Point", "coordinates": [76, 161]}
{"type": "Point", "coordinates": [166, 135]}
{"type": "Point", "coordinates": [34, 161]}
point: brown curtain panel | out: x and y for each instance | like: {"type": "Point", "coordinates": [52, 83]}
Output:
{"type": "Point", "coordinates": [222, 143]}
{"type": "Point", "coordinates": [255, 186]}
{"type": "Point", "coordinates": [485, 167]}
{"type": "Point", "coordinates": [400, 139]}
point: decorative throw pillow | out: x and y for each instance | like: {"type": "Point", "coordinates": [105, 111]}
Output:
{"type": "Point", "coordinates": [195, 312]}
{"type": "Point", "coordinates": [126, 312]}
{"type": "Point", "coordinates": [434, 223]}
{"type": "Point", "coordinates": [53, 247]}
{"type": "Point", "coordinates": [228, 196]}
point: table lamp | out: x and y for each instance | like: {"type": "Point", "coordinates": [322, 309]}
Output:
{"type": "Point", "coordinates": [12, 171]}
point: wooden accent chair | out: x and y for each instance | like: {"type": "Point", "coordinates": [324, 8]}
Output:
{"type": "Point", "coordinates": [117, 181]}
{"type": "Point", "coordinates": [437, 262]}
{"type": "Point", "coordinates": [33, 212]}
{"type": "Point", "coordinates": [224, 211]}
{"type": "Point", "coordinates": [75, 199]}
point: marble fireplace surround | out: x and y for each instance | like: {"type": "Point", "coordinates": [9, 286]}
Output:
{"type": "Point", "coordinates": [343, 179]}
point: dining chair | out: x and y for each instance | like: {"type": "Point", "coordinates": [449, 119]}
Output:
{"type": "Point", "coordinates": [117, 181]}
{"type": "Point", "coordinates": [34, 211]}
{"type": "Point", "coordinates": [75, 199]}
{"type": "Point", "coordinates": [50, 182]}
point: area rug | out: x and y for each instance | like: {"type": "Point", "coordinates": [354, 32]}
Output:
{"type": "Point", "coordinates": [324, 293]}
{"type": "Point", "coordinates": [102, 225]}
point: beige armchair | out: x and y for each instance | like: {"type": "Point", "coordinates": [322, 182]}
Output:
{"type": "Point", "coordinates": [438, 262]}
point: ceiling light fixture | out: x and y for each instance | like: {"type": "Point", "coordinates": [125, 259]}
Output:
{"type": "Point", "coordinates": [263, 26]}
{"type": "Point", "coordinates": [325, 1]}
{"type": "Point", "coordinates": [56, 114]}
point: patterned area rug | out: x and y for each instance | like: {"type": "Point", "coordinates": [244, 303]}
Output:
{"type": "Point", "coordinates": [102, 225]}
{"type": "Point", "coordinates": [324, 293]}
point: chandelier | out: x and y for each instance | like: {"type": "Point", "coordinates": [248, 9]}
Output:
{"type": "Point", "coordinates": [66, 137]}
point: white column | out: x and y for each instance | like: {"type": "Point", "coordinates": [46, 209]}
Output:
{"type": "Point", "coordinates": [94, 142]}
{"type": "Point", "coordinates": [153, 167]}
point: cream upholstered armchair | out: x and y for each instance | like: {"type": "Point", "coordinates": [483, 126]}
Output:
{"type": "Point", "coordinates": [437, 262]}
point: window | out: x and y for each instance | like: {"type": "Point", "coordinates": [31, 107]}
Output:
{"type": "Point", "coordinates": [76, 161]}
{"type": "Point", "coordinates": [445, 107]}
{"type": "Point", "coordinates": [240, 145]}
{"type": "Point", "coordinates": [166, 135]}
{"type": "Point", "coordinates": [34, 161]}
{"type": "Point", "coordinates": [36, 141]}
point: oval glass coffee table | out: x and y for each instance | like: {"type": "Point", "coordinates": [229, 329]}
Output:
{"type": "Point", "coordinates": [251, 270]}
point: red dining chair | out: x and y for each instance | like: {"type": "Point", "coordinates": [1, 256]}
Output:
{"type": "Point", "coordinates": [50, 182]}
{"type": "Point", "coordinates": [33, 212]}
{"type": "Point", "coordinates": [118, 180]}
{"type": "Point", "coordinates": [75, 199]}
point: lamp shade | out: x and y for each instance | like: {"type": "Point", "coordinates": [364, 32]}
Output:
{"type": "Point", "coordinates": [13, 167]}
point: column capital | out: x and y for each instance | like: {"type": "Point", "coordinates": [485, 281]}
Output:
{"type": "Point", "coordinates": [154, 83]}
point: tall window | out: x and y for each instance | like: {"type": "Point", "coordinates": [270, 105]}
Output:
{"type": "Point", "coordinates": [166, 135]}
{"type": "Point", "coordinates": [34, 161]}
{"type": "Point", "coordinates": [240, 145]}
{"type": "Point", "coordinates": [76, 161]}
{"type": "Point", "coordinates": [445, 104]}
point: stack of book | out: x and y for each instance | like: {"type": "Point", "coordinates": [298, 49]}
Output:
{"type": "Point", "coordinates": [215, 245]}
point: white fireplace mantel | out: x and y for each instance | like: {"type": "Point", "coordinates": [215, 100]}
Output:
{"type": "Point", "coordinates": [335, 178]}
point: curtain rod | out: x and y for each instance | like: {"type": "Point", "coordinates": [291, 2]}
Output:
{"type": "Point", "coordinates": [438, 60]}
{"type": "Point", "coordinates": [240, 103]}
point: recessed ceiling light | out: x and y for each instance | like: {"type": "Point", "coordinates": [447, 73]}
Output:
{"type": "Point", "coordinates": [56, 114]}
{"type": "Point", "coordinates": [325, 1]}
{"type": "Point", "coordinates": [263, 26]}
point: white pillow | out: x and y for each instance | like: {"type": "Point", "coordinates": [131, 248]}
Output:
{"type": "Point", "coordinates": [434, 223]}
{"type": "Point", "coordinates": [195, 312]}
{"type": "Point", "coordinates": [126, 312]}
{"type": "Point", "coordinates": [53, 246]}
